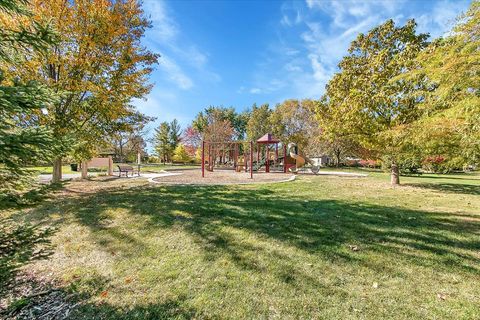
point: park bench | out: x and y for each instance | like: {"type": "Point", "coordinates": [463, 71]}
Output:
{"type": "Point", "coordinates": [126, 169]}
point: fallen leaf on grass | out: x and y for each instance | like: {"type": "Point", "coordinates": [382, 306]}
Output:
{"type": "Point", "coordinates": [104, 294]}
{"type": "Point", "coordinates": [353, 247]}
{"type": "Point", "coordinates": [441, 296]}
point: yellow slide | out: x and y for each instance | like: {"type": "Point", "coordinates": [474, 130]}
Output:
{"type": "Point", "coordinates": [300, 160]}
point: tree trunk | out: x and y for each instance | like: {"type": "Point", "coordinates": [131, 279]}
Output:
{"type": "Point", "coordinates": [395, 174]}
{"type": "Point", "coordinates": [338, 159]}
{"type": "Point", "coordinates": [84, 170]}
{"type": "Point", "coordinates": [57, 170]}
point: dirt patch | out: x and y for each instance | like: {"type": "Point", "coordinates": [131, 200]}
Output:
{"type": "Point", "coordinates": [222, 177]}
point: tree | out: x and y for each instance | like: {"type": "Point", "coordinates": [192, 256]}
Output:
{"type": "Point", "coordinates": [238, 121]}
{"type": "Point", "coordinates": [175, 133]}
{"type": "Point", "coordinates": [294, 121]}
{"type": "Point", "coordinates": [449, 126]}
{"type": "Point", "coordinates": [372, 105]}
{"type": "Point", "coordinates": [98, 60]}
{"type": "Point", "coordinates": [135, 145]}
{"type": "Point", "coordinates": [333, 140]}
{"type": "Point", "coordinates": [218, 129]}
{"type": "Point", "coordinates": [125, 138]}
{"type": "Point", "coordinates": [180, 154]}
{"type": "Point", "coordinates": [22, 137]}
{"type": "Point", "coordinates": [162, 144]}
{"type": "Point", "coordinates": [191, 139]}
{"type": "Point", "coordinates": [259, 122]}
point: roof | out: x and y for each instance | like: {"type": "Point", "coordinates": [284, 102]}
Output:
{"type": "Point", "coordinates": [268, 138]}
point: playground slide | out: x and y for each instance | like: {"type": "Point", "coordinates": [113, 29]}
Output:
{"type": "Point", "coordinates": [300, 160]}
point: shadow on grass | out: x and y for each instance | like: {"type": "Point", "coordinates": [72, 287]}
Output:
{"type": "Point", "coordinates": [458, 176]}
{"type": "Point", "coordinates": [320, 227]}
{"type": "Point", "coordinates": [29, 198]}
{"type": "Point", "coordinates": [171, 309]}
{"type": "Point", "coordinates": [19, 245]}
{"type": "Point", "coordinates": [216, 216]}
{"type": "Point", "coordinates": [64, 302]}
{"type": "Point", "coordinates": [458, 188]}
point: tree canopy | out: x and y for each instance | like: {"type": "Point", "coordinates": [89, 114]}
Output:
{"type": "Point", "coordinates": [98, 63]}
{"type": "Point", "coordinates": [23, 138]}
{"type": "Point", "coordinates": [365, 99]}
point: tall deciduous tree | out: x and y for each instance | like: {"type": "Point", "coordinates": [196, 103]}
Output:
{"type": "Point", "coordinates": [294, 121]}
{"type": "Point", "coordinates": [191, 139]}
{"type": "Point", "coordinates": [450, 122]}
{"type": "Point", "coordinates": [259, 122]}
{"type": "Point", "coordinates": [124, 138]}
{"type": "Point", "coordinates": [238, 121]}
{"type": "Point", "coordinates": [180, 154]}
{"type": "Point", "coordinates": [367, 99]}
{"type": "Point", "coordinates": [99, 61]}
{"type": "Point", "coordinates": [218, 128]}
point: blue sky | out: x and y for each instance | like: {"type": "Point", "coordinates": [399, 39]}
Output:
{"type": "Point", "coordinates": [236, 53]}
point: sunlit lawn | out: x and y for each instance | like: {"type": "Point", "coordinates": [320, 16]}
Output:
{"type": "Point", "coordinates": [318, 247]}
{"type": "Point", "coordinates": [143, 168]}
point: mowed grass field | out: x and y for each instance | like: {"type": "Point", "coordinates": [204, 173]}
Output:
{"type": "Point", "coordinates": [143, 168]}
{"type": "Point", "coordinates": [321, 247]}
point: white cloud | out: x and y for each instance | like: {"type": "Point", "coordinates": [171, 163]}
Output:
{"type": "Point", "coordinates": [331, 26]}
{"type": "Point", "coordinates": [181, 60]}
{"type": "Point", "coordinates": [441, 19]}
{"type": "Point", "coordinates": [292, 67]}
{"type": "Point", "coordinates": [291, 14]}
{"type": "Point", "coordinates": [174, 73]}
{"type": "Point", "coordinates": [163, 25]}
{"type": "Point", "coordinates": [255, 90]}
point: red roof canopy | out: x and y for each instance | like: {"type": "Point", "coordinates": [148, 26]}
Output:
{"type": "Point", "coordinates": [267, 139]}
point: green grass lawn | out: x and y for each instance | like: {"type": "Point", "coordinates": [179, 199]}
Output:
{"type": "Point", "coordinates": [49, 169]}
{"type": "Point", "coordinates": [320, 247]}
{"type": "Point", "coordinates": [143, 168]}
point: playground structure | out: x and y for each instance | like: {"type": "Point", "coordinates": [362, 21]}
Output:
{"type": "Point", "coordinates": [268, 154]}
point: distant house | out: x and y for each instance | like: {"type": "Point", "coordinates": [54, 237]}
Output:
{"type": "Point", "coordinates": [322, 160]}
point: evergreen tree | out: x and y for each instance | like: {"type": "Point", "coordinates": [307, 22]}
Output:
{"type": "Point", "coordinates": [22, 137]}
{"type": "Point", "coordinates": [162, 144]}
{"type": "Point", "coordinates": [175, 133]}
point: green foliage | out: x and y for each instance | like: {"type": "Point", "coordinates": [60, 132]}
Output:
{"type": "Point", "coordinates": [166, 139]}
{"type": "Point", "coordinates": [293, 121]}
{"type": "Point", "coordinates": [450, 122]}
{"type": "Point", "coordinates": [175, 133]}
{"type": "Point", "coordinates": [258, 122]}
{"type": "Point", "coordinates": [162, 144]}
{"type": "Point", "coordinates": [17, 41]}
{"type": "Point", "coordinates": [366, 101]}
{"type": "Point", "coordinates": [237, 121]}
{"type": "Point", "coordinates": [180, 154]}
{"type": "Point", "coordinates": [98, 59]}
{"type": "Point", "coordinates": [23, 138]}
